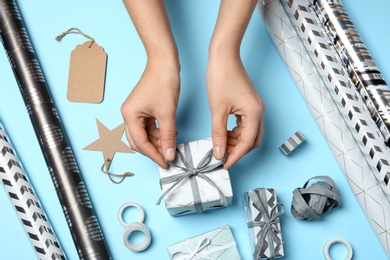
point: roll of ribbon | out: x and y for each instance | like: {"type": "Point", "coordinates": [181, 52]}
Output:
{"type": "Point", "coordinates": [26, 203]}
{"type": "Point", "coordinates": [331, 123]}
{"type": "Point", "coordinates": [58, 154]}
{"type": "Point", "coordinates": [310, 202]}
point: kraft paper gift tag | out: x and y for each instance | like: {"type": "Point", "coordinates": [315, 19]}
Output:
{"type": "Point", "coordinates": [109, 142]}
{"type": "Point", "coordinates": [87, 70]}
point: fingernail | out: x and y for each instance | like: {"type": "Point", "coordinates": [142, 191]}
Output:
{"type": "Point", "coordinates": [217, 150]}
{"type": "Point", "coordinates": [169, 153]}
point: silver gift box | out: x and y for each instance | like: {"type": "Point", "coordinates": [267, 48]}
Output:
{"type": "Point", "coordinates": [253, 215]}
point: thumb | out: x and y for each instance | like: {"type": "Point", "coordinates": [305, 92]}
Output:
{"type": "Point", "coordinates": [219, 135]}
{"type": "Point", "coordinates": [168, 137]}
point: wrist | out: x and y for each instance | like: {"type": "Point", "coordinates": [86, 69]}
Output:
{"type": "Point", "coordinates": [224, 50]}
{"type": "Point", "coordinates": [164, 62]}
{"type": "Point", "coordinates": [163, 55]}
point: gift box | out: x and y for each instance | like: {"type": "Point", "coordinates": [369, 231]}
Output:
{"type": "Point", "coordinates": [195, 181]}
{"type": "Point", "coordinates": [216, 244]}
{"type": "Point", "coordinates": [262, 215]}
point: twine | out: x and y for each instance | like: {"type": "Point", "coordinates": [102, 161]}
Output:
{"type": "Point", "coordinates": [110, 174]}
{"type": "Point", "coordinates": [74, 30]}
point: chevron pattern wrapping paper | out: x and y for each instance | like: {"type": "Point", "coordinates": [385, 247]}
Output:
{"type": "Point", "coordinates": [345, 149]}
{"type": "Point", "coordinates": [26, 203]}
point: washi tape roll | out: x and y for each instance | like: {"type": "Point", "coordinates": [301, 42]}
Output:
{"type": "Point", "coordinates": [134, 226]}
{"type": "Point", "coordinates": [292, 143]}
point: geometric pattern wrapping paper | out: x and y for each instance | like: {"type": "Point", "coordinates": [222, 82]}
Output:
{"type": "Point", "coordinates": [27, 206]}
{"type": "Point", "coordinates": [346, 151]}
{"type": "Point", "coordinates": [221, 245]}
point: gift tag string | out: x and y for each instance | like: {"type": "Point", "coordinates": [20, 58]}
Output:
{"type": "Point", "coordinates": [74, 30]}
{"type": "Point", "coordinates": [106, 170]}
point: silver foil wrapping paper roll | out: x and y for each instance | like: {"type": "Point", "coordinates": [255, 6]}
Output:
{"type": "Point", "coordinates": [72, 193]}
{"type": "Point", "coordinates": [27, 206]}
{"type": "Point", "coordinates": [357, 60]}
{"type": "Point", "coordinates": [345, 149]}
{"type": "Point", "coordinates": [346, 96]}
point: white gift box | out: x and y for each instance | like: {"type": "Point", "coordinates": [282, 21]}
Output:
{"type": "Point", "coordinates": [213, 187]}
{"type": "Point", "coordinates": [215, 244]}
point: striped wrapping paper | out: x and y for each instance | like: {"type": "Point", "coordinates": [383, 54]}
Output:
{"type": "Point", "coordinates": [26, 203]}
{"type": "Point", "coordinates": [344, 147]}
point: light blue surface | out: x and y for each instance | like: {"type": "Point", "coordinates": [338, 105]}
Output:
{"type": "Point", "coordinates": [193, 21]}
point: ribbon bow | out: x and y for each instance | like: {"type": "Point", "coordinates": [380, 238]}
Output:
{"type": "Point", "coordinates": [190, 172]}
{"type": "Point", "coordinates": [197, 254]}
{"type": "Point", "coordinates": [268, 224]}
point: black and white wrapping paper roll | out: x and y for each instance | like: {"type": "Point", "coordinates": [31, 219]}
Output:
{"type": "Point", "coordinates": [26, 203]}
{"type": "Point", "coordinates": [357, 60]}
{"type": "Point", "coordinates": [72, 193]}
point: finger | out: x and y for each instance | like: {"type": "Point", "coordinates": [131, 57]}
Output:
{"type": "Point", "coordinates": [232, 141]}
{"type": "Point", "coordinates": [235, 133]}
{"type": "Point", "coordinates": [246, 141]}
{"type": "Point", "coordinates": [151, 127]}
{"type": "Point", "coordinates": [155, 132]}
{"type": "Point", "coordinates": [219, 134]}
{"type": "Point", "coordinates": [155, 141]}
{"type": "Point", "coordinates": [229, 148]}
{"type": "Point", "coordinates": [140, 138]}
{"type": "Point", "coordinates": [168, 136]}
{"type": "Point", "coordinates": [132, 145]}
{"type": "Point", "coordinates": [259, 136]}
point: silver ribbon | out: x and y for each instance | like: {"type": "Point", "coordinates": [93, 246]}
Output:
{"type": "Point", "coordinates": [268, 226]}
{"type": "Point", "coordinates": [197, 254]}
{"type": "Point", "coordinates": [328, 192]}
{"type": "Point", "coordinates": [190, 173]}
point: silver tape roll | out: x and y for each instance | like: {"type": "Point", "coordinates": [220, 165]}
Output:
{"type": "Point", "coordinates": [337, 240]}
{"type": "Point", "coordinates": [137, 247]}
{"type": "Point", "coordinates": [135, 226]}
{"type": "Point", "coordinates": [130, 204]}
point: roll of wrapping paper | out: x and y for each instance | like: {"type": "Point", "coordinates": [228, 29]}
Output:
{"type": "Point", "coordinates": [26, 203]}
{"type": "Point", "coordinates": [357, 60]}
{"type": "Point", "coordinates": [345, 149]}
{"type": "Point", "coordinates": [339, 82]}
{"type": "Point", "coordinates": [72, 193]}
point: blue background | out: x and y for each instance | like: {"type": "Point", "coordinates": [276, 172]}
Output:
{"type": "Point", "coordinates": [192, 22]}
